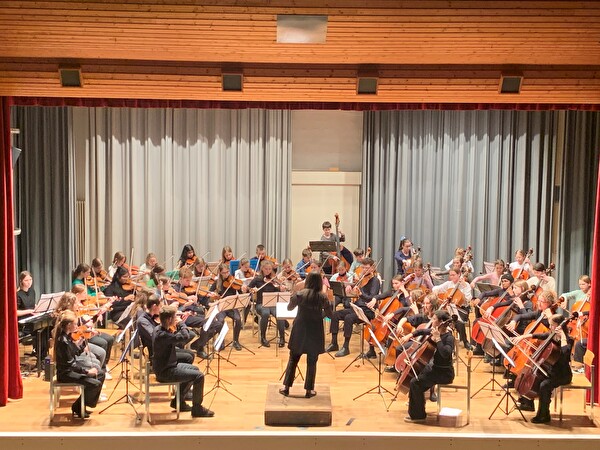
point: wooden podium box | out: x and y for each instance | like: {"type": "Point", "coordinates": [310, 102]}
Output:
{"type": "Point", "coordinates": [296, 410]}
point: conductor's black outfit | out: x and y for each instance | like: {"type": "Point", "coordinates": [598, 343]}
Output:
{"type": "Point", "coordinates": [307, 336]}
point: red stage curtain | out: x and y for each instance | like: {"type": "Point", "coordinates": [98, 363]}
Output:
{"type": "Point", "coordinates": [594, 336]}
{"type": "Point", "coordinates": [11, 385]}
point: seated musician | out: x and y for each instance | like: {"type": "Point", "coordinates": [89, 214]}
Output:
{"type": "Point", "coordinates": [541, 279]}
{"type": "Point", "coordinates": [567, 302]}
{"type": "Point", "coordinates": [147, 321]}
{"type": "Point", "coordinates": [149, 263]}
{"type": "Point", "coordinates": [118, 261]}
{"type": "Point", "coordinates": [403, 254]}
{"type": "Point", "coordinates": [521, 262]}
{"type": "Point", "coordinates": [465, 257]}
{"type": "Point", "coordinates": [244, 272]}
{"type": "Point", "coordinates": [493, 277]}
{"type": "Point", "coordinates": [288, 276]}
{"type": "Point", "coordinates": [266, 281]}
{"type": "Point", "coordinates": [224, 287]}
{"type": "Point", "coordinates": [261, 254]}
{"type": "Point", "coordinates": [545, 308]}
{"type": "Point", "coordinates": [455, 280]}
{"type": "Point", "coordinates": [227, 255]}
{"type": "Point", "coordinates": [187, 258]}
{"type": "Point", "coordinates": [196, 306]}
{"type": "Point", "coordinates": [172, 333]}
{"type": "Point", "coordinates": [124, 297]}
{"type": "Point", "coordinates": [343, 276]}
{"type": "Point", "coordinates": [98, 271]}
{"type": "Point", "coordinates": [560, 373]}
{"type": "Point", "coordinates": [26, 300]}
{"type": "Point", "coordinates": [359, 254]}
{"type": "Point", "coordinates": [568, 299]}
{"type": "Point", "coordinates": [69, 369]}
{"type": "Point", "coordinates": [304, 263]}
{"type": "Point", "coordinates": [440, 371]}
{"type": "Point", "coordinates": [101, 339]}
{"type": "Point", "coordinates": [368, 289]}
{"type": "Point", "coordinates": [79, 276]}
{"type": "Point", "coordinates": [421, 279]}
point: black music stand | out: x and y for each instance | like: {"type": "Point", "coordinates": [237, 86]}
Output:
{"type": "Point", "coordinates": [220, 383]}
{"type": "Point", "coordinates": [270, 300]}
{"type": "Point", "coordinates": [507, 395]}
{"type": "Point", "coordinates": [493, 335]}
{"type": "Point", "coordinates": [45, 305]}
{"type": "Point", "coordinates": [239, 302]}
{"type": "Point", "coordinates": [124, 375]}
{"type": "Point", "coordinates": [362, 356]}
{"type": "Point", "coordinates": [378, 389]}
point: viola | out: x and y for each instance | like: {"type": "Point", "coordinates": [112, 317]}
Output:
{"type": "Point", "coordinates": [290, 275]}
{"type": "Point", "coordinates": [520, 274]}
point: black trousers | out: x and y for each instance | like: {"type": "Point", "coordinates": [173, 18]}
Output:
{"type": "Point", "coordinates": [546, 388]}
{"type": "Point", "coordinates": [580, 349]}
{"type": "Point", "coordinates": [349, 317]}
{"type": "Point", "coordinates": [264, 314]}
{"type": "Point", "coordinates": [91, 386]}
{"type": "Point", "coordinates": [234, 314]}
{"type": "Point", "coordinates": [430, 376]}
{"type": "Point", "coordinates": [311, 370]}
{"type": "Point", "coordinates": [188, 375]}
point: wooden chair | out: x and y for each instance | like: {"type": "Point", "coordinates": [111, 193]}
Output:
{"type": "Point", "coordinates": [55, 391]}
{"type": "Point", "coordinates": [463, 387]}
{"type": "Point", "coordinates": [151, 381]}
{"type": "Point", "coordinates": [581, 382]}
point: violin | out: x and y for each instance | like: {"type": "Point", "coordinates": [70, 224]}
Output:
{"type": "Point", "coordinates": [191, 261]}
{"type": "Point", "coordinates": [180, 297]}
{"type": "Point", "coordinates": [82, 332]}
{"type": "Point", "coordinates": [249, 273]}
{"type": "Point", "coordinates": [359, 269]}
{"type": "Point", "coordinates": [271, 260]}
{"type": "Point", "coordinates": [233, 283]}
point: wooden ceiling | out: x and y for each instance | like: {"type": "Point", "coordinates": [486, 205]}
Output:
{"type": "Point", "coordinates": [420, 51]}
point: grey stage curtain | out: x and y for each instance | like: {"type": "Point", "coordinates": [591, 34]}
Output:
{"type": "Point", "coordinates": [579, 179]}
{"type": "Point", "coordinates": [160, 178]}
{"type": "Point", "coordinates": [448, 179]}
{"type": "Point", "coordinates": [44, 196]}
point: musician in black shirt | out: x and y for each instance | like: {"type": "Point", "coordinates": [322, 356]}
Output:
{"type": "Point", "coordinates": [438, 372]}
{"type": "Point", "coordinates": [171, 333]}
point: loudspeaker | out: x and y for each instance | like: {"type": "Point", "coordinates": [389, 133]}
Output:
{"type": "Point", "coordinates": [510, 84]}
{"type": "Point", "coordinates": [366, 85]}
{"type": "Point", "coordinates": [16, 152]}
{"type": "Point", "coordinates": [232, 82]}
{"type": "Point", "coordinates": [70, 76]}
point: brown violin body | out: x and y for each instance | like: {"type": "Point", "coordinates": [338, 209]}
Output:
{"type": "Point", "coordinates": [528, 380]}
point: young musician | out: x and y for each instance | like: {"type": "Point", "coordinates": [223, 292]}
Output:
{"type": "Point", "coordinates": [171, 333]}
{"type": "Point", "coordinates": [440, 372]}
{"type": "Point", "coordinates": [124, 297]}
{"type": "Point", "coordinates": [265, 281]}
{"type": "Point", "coordinates": [25, 295]}
{"type": "Point", "coordinates": [560, 373]}
{"type": "Point", "coordinates": [149, 263]}
{"type": "Point", "coordinates": [307, 336]}
{"type": "Point", "coordinates": [521, 262]}
{"type": "Point", "coordinates": [359, 254]}
{"type": "Point", "coordinates": [71, 370]}
{"type": "Point", "coordinates": [541, 279]}
{"type": "Point", "coordinates": [403, 254]}
{"type": "Point", "coordinates": [304, 263]}
{"type": "Point", "coordinates": [187, 258]}
{"type": "Point", "coordinates": [329, 260]}
{"type": "Point", "coordinates": [366, 292]}
{"type": "Point", "coordinates": [342, 276]}
{"type": "Point", "coordinates": [493, 277]}
{"type": "Point", "coordinates": [455, 281]}
{"type": "Point", "coordinates": [223, 286]}
{"type": "Point", "coordinates": [568, 299]}
{"type": "Point", "coordinates": [118, 261]}
{"type": "Point", "coordinates": [244, 272]}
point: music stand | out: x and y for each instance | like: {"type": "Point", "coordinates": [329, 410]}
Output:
{"type": "Point", "coordinates": [124, 375]}
{"type": "Point", "coordinates": [322, 246]}
{"type": "Point", "coordinates": [365, 323]}
{"type": "Point", "coordinates": [494, 335]}
{"type": "Point", "coordinates": [378, 389]}
{"type": "Point", "coordinates": [506, 389]}
{"type": "Point", "coordinates": [239, 302]}
{"type": "Point", "coordinates": [220, 383]}
{"type": "Point", "coordinates": [47, 303]}
{"type": "Point", "coordinates": [270, 300]}
{"type": "Point", "coordinates": [485, 287]}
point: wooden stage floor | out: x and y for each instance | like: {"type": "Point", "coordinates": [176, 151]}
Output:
{"type": "Point", "coordinates": [355, 422]}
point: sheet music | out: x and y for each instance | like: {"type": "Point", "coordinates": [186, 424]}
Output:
{"type": "Point", "coordinates": [211, 317]}
{"type": "Point", "coordinates": [282, 312]}
{"type": "Point", "coordinates": [221, 337]}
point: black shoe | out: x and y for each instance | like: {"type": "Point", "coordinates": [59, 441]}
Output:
{"type": "Point", "coordinates": [467, 346]}
{"type": "Point", "coordinates": [310, 393]}
{"type": "Point", "coordinates": [202, 354]}
{"type": "Point", "coordinates": [189, 395]}
{"type": "Point", "coordinates": [509, 385]}
{"type": "Point", "coordinates": [343, 352]}
{"type": "Point", "coordinates": [287, 325]}
{"type": "Point", "coordinates": [390, 369]}
{"type": "Point", "coordinates": [201, 411]}
{"type": "Point", "coordinates": [525, 405]}
{"type": "Point", "coordinates": [433, 397]}
{"type": "Point", "coordinates": [285, 391]}
{"type": "Point", "coordinates": [332, 348]}
{"type": "Point", "coordinates": [371, 354]}
{"type": "Point", "coordinates": [281, 343]}
{"type": "Point", "coordinates": [237, 346]}
{"type": "Point", "coordinates": [77, 412]}
{"type": "Point", "coordinates": [478, 351]}
{"type": "Point", "coordinates": [183, 406]}
{"type": "Point", "coordinates": [264, 342]}
{"type": "Point", "coordinates": [487, 358]}
{"type": "Point", "coordinates": [540, 419]}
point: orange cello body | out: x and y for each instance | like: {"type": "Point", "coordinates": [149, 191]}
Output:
{"type": "Point", "coordinates": [379, 328]}
{"type": "Point", "coordinates": [580, 329]}
{"type": "Point", "coordinates": [419, 355]}
{"type": "Point", "coordinates": [521, 352]}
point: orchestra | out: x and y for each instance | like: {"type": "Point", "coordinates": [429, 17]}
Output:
{"type": "Point", "coordinates": [416, 319]}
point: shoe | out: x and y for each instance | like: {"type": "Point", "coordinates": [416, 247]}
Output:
{"type": "Point", "coordinates": [371, 354]}
{"type": "Point", "coordinates": [237, 346]}
{"type": "Point", "coordinates": [201, 411]}
{"type": "Point", "coordinates": [108, 376]}
{"type": "Point", "coordinates": [264, 342]}
{"type": "Point", "coordinates": [496, 362]}
{"type": "Point", "coordinates": [540, 419]}
{"type": "Point", "coordinates": [201, 354]}
{"type": "Point", "coordinates": [281, 343]}
{"type": "Point", "coordinates": [525, 406]}
{"type": "Point", "coordinates": [332, 348]}
{"type": "Point", "coordinates": [310, 393]}
{"type": "Point", "coordinates": [411, 420]}
{"type": "Point", "coordinates": [343, 352]}
{"type": "Point", "coordinates": [77, 413]}
{"type": "Point", "coordinates": [433, 397]}
{"type": "Point", "coordinates": [509, 385]}
{"type": "Point", "coordinates": [467, 346]}
{"type": "Point", "coordinates": [578, 370]}
{"type": "Point", "coordinates": [287, 325]}
{"type": "Point", "coordinates": [285, 391]}
{"type": "Point", "coordinates": [390, 369]}
{"type": "Point", "coordinates": [478, 351]}
{"type": "Point", "coordinates": [183, 406]}
{"type": "Point", "coordinates": [189, 395]}
{"type": "Point", "coordinates": [487, 358]}
{"type": "Point", "coordinates": [103, 398]}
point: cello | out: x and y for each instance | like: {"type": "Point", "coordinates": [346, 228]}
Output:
{"type": "Point", "coordinates": [520, 274]}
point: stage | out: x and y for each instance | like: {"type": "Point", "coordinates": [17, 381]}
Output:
{"type": "Point", "coordinates": [364, 422]}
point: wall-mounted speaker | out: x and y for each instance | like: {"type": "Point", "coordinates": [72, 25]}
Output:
{"type": "Point", "coordinates": [366, 85]}
{"type": "Point", "coordinates": [70, 76]}
{"type": "Point", "coordinates": [232, 82]}
{"type": "Point", "coordinates": [510, 84]}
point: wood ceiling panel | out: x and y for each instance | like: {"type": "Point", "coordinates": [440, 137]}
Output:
{"type": "Point", "coordinates": [421, 51]}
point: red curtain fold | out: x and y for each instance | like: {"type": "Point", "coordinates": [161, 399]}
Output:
{"type": "Point", "coordinates": [11, 385]}
{"type": "Point", "coordinates": [594, 319]}
{"type": "Point", "coordinates": [346, 106]}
